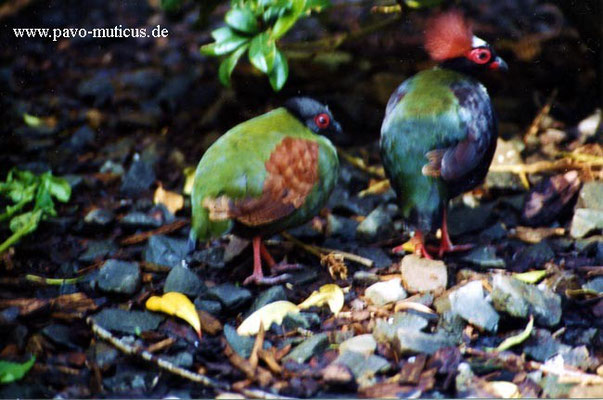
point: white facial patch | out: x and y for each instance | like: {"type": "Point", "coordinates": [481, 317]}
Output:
{"type": "Point", "coordinates": [477, 42]}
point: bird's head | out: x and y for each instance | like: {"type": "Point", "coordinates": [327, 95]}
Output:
{"type": "Point", "coordinates": [449, 39]}
{"type": "Point", "coordinates": [317, 117]}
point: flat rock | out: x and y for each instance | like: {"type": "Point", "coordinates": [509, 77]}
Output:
{"type": "Point", "coordinates": [411, 341]}
{"type": "Point", "coordinates": [422, 275]}
{"type": "Point", "coordinates": [137, 219]}
{"type": "Point", "coordinates": [376, 226]}
{"type": "Point", "coordinates": [341, 227]}
{"type": "Point", "coordinates": [365, 278]}
{"type": "Point", "coordinates": [376, 254]}
{"type": "Point", "coordinates": [542, 345]}
{"type": "Point", "coordinates": [363, 344]}
{"type": "Point", "coordinates": [520, 299]}
{"type": "Point", "coordinates": [211, 306]}
{"type": "Point", "coordinates": [275, 293]}
{"type": "Point", "coordinates": [532, 256]}
{"type": "Point", "coordinates": [586, 221]}
{"type": "Point", "coordinates": [119, 277]}
{"type": "Point", "coordinates": [382, 293]}
{"type": "Point", "coordinates": [131, 322]}
{"type": "Point", "coordinates": [62, 335]}
{"type": "Point", "coordinates": [308, 348]}
{"type": "Point", "coordinates": [230, 296]}
{"type": "Point", "coordinates": [463, 220]}
{"type": "Point", "coordinates": [507, 153]}
{"type": "Point", "coordinates": [302, 320]}
{"type": "Point", "coordinates": [241, 344]}
{"type": "Point", "coordinates": [166, 251]}
{"type": "Point", "coordinates": [484, 256]}
{"type": "Point", "coordinates": [385, 330]}
{"type": "Point", "coordinates": [591, 196]}
{"type": "Point", "coordinates": [99, 217]}
{"type": "Point", "coordinates": [363, 367]}
{"type": "Point", "coordinates": [212, 257]}
{"type": "Point", "coordinates": [183, 280]}
{"type": "Point", "coordinates": [97, 250]}
{"type": "Point", "coordinates": [139, 178]}
{"type": "Point", "coordinates": [469, 303]}
{"type": "Point", "coordinates": [595, 284]}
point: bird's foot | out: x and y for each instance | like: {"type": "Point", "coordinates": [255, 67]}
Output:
{"type": "Point", "coordinates": [266, 280]}
{"type": "Point", "coordinates": [414, 245]}
{"type": "Point", "coordinates": [454, 248]}
{"type": "Point", "coordinates": [284, 266]}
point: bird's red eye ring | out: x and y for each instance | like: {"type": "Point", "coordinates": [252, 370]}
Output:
{"type": "Point", "coordinates": [480, 55]}
{"type": "Point", "coordinates": [322, 120]}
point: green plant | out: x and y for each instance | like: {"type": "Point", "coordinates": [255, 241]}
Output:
{"type": "Point", "coordinates": [23, 188]}
{"type": "Point", "coordinates": [12, 371]}
{"type": "Point", "coordinates": [255, 26]}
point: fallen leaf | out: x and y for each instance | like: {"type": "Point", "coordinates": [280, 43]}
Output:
{"type": "Point", "coordinates": [189, 180]}
{"type": "Point", "coordinates": [171, 200]}
{"type": "Point", "coordinates": [517, 339]}
{"type": "Point", "coordinates": [336, 265]}
{"type": "Point", "coordinates": [530, 276]}
{"type": "Point", "coordinates": [330, 294]}
{"type": "Point", "coordinates": [536, 235]}
{"type": "Point", "coordinates": [266, 316]}
{"type": "Point", "coordinates": [12, 371]}
{"type": "Point", "coordinates": [177, 304]}
{"type": "Point", "coordinates": [375, 187]}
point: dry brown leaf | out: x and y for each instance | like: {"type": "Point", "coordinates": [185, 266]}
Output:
{"type": "Point", "coordinates": [171, 200]}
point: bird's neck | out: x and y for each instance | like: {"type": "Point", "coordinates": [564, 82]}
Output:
{"type": "Point", "coordinates": [461, 65]}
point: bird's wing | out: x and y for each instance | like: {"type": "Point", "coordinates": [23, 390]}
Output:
{"type": "Point", "coordinates": [454, 162]}
{"type": "Point", "coordinates": [291, 173]}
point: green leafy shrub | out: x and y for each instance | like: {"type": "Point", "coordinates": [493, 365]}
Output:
{"type": "Point", "coordinates": [23, 188]}
{"type": "Point", "coordinates": [254, 27]}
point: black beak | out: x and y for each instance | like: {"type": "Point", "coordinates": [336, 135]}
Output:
{"type": "Point", "coordinates": [499, 64]}
{"type": "Point", "coordinates": [337, 136]}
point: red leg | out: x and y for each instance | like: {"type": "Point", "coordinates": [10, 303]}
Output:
{"type": "Point", "coordinates": [419, 243]}
{"type": "Point", "coordinates": [446, 245]}
{"type": "Point", "coordinates": [257, 275]}
{"type": "Point", "coordinates": [266, 256]}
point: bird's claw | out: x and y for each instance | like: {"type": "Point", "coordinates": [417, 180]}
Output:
{"type": "Point", "coordinates": [284, 266]}
{"type": "Point", "coordinates": [266, 280]}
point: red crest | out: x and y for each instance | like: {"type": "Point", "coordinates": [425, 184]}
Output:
{"type": "Point", "coordinates": [448, 35]}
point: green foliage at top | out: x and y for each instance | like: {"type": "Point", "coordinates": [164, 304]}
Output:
{"type": "Point", "coordinates": [26, 190]}
{"type": "Point", "coordinates": [11, 371]}
{"type": "Point", "coordinates": [253, 27]}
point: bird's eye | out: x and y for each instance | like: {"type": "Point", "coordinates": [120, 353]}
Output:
{"type": "Point", "coordinates": [480, 55]}
{"type": "Point", "coordinates": [322, 120]}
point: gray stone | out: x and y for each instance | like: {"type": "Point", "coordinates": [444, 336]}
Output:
{"type": "Point", "coordinates": [591, 196]}
{"type": "Point", "coordinates": [376, 254]}
{"type": "Point", "coordinates": [230, 296]}
{"type": "Point", "coordinates": [119, 277]}
{"type": "Point", "coordinates": [495, 232]}
{"type": "Point", "coordinates": [131, 322]}
{"type": "Point", "coordinates": [586, 221]}
{"type": "Point", "coordinates": [340, 227]}
{"type": "Point", "coordinates": [541, 345]}
{"type": "Point", "coordinates": [520, 299]}
{"type": "Point", "coordinates": [303, 277]}
{"type": "Point", "coordinates": [376, 226]}
{"type": "Point", "coordinates": [268, 296]}
{"type": "Point", "coordinates": [98, 88]}
{"type": "Point", "coordinates": [97, 250]}
{"type": "Point", "coordinates": [463, 220]}
{"type": "Point", "coordinates": [183, 359]}
{"type": "Point", "coordinates": [385, 330]}
{"type": "Point", "coordinates": [302, 320]}
{"type": "Point", "coordinates": [183, 280]}
{"type": "Point", "coordinates": [137, 219]}
{"type": "Point", "coordinates": [532, 256]}
{"type": "Point", "coordinates": [363, 367]}
{"type": "Point", "coordinates": [412, 341]}
{"type": "Point", "coordinates": [484, 256]}
{"type": "Point", "coordinates": [363, 344]}
{"type": "Point", "coordinates": [139, 178]}
{"type": "Point", "coordinates": [105, 355]}
{"type": "Point", "coordinates": [382, 293]}
{"type": "Point", "coordinates": [166, 251]}
{"type": "Point", "coordinates": [308, 348]}
{"type": "Point", "coordinates": [507, 153]}
{"type": "Point", "coordinates": [241, 344]}
{"type": "Point", "coordinates": [469, 303]}
{"type": "Point", "coordinates": [422, 275]}
{"type": "Point", "coordinates": [81, 138]}
{"type": "Point", "coordinates": [212, 257]}
{"type": "Point", "coordinates": [595, 284]}
{"type": "Point", "coordinates": [99, 217]}
{"type": "Point", "coordinates": [211, 306]}
{"type": "Point", "coordinates": [61, 335]}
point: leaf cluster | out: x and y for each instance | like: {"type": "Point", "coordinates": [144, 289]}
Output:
{"type": "Point", "coordinates": [32, 197]}
{"type": "Point", "coordinates": [254, 27]}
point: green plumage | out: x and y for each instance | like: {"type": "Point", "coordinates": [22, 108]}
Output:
{"type": "Point", "coordinates": [235, 166]}
{"type": "Point", "coordinates": [422, 115]}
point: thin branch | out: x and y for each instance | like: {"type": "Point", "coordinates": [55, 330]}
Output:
{"type": "Point", "coordinates": [141, 237]}
{"type": "Point", "coordinates": [321, 251]}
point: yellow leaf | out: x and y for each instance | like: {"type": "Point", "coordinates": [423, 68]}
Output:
{"type": "Point", "coordinates": [376, 187]}
{"type": "Point", "coordinates": [517, 339]}
{"type": "Point", "coordinates": [171, 200]}
{"type": "Point", "coordinates": [330, 294]}
{"type": "Point", "coordinates": [177, 304]}
{"type": "Point", "coordinates": [530, 276]}
{"type": "Point", "coordinates": [270, 313]}
{"type": "Point", "coordinates": [409, 246]}
{"type": "Point", "coordinates": [189, 180]}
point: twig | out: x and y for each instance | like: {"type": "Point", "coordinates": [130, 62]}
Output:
{"type": "Point", "coordinates": [543, 166]}
{"type": "Point", "coordinates": [141, 237]}
{"type": "Point", "coordinates": [147, 356]}
{"type": "Point", "coordinates": [320, 251]}
{"type": "Point", "coordinates": [361, 165]}
{"type": "Point", "coordinates": [535, 125]}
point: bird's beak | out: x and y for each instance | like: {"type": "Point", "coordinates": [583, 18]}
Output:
{"type": "Point", "coordinates": [499, 64]}
{"type": "Point", "coordinates": [338, 136]}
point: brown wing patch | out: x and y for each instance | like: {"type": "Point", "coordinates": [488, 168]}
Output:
{"type": "Point", "coordinates": [434, 166]}
{"type": "Point", "coordinates": [292, 171]}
